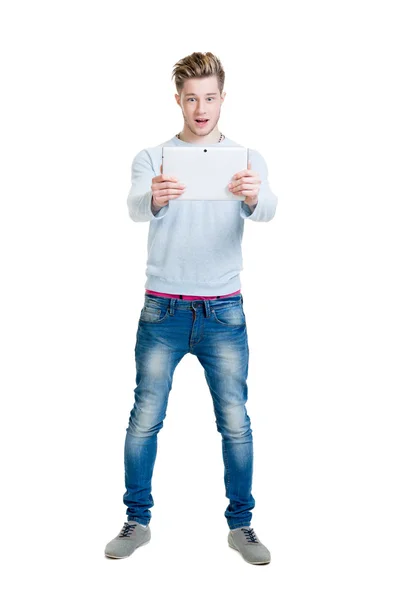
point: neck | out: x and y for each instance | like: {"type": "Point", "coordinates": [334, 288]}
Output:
{"type": "Point", "coordinates": [211, 138]}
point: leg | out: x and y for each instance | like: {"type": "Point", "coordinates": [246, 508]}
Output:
{"type": "Point", "coordinates": [156, 360]}
{"type": "Point", "coordinates": [224, 355]}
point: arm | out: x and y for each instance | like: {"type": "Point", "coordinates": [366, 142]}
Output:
{"type": "Point", "coordinates": [264, 209]}
{"type": "Point", "coordinates": [139, 199]}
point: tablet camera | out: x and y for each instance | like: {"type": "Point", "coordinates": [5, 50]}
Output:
{"type": "Point", "coordinates": [205, 149]}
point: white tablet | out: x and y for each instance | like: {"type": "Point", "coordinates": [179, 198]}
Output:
{"type": "Point", "coordinates": [205, 170]}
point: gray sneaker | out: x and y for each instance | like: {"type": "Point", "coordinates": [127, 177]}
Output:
{"type": "Point", "coordinates": [132, 536]}
{"type": "Point", "coordinates": [245, 541]}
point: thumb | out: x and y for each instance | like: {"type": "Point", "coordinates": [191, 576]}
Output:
{"type": "Point", "coordinates": [161, 168]}
{"type": "Point", "coordinates": [249, 165]}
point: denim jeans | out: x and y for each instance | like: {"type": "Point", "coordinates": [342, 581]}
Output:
{"type": "Point", "coordinates": [214, 331]}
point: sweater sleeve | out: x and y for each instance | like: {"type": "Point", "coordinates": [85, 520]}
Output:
{"type": "Point", "coordinates": [140, 195]}
{"type": "Point", "coordinates": [267, 201]}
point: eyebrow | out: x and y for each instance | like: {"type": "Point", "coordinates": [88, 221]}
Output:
{"type": "Point", "coordinates": [210, 94]}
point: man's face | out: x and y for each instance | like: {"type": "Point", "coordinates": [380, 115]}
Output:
{"type": "Point", "coordinates": [201, 99]}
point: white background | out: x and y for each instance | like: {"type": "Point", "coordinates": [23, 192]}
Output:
{"type": "Point", "coordinates": [313, 86]}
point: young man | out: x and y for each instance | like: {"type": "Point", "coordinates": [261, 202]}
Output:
{"type": "Point", "coordinates": [193, 304]}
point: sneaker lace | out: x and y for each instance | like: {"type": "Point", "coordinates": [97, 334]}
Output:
{"type": "Point", "coordinates": [250, 535]}
{"type": "Point", "coordinates": [127, 530]}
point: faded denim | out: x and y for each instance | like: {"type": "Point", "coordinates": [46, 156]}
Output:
{"type": "Point", "coordinates": [214, 331]}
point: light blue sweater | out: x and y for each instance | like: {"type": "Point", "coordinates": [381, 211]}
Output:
{"type": "Point", "coordinates": [194, 247]}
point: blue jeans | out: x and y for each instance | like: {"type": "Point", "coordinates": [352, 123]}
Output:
{"type": "Point", "coordinates": [214, 331]}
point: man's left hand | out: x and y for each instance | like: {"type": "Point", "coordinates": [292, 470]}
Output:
{"type": "Point", "coordinates": [246, 183]}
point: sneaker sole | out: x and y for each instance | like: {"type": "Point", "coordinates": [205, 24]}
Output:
{"type": "Point", "coordinates": [262, 562]}
{"type": "Point", "coordinates": [128, 555]}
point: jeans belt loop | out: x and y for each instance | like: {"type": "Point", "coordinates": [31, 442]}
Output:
{"type": "Point", "coordinates": [172, 305]}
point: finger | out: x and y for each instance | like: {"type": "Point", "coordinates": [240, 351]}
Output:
{"type": "Point", "coordinates": [245, 180]}
{"type": "Point", "coordinates": [169, 189]}
{"type": "Point", "coordinates": [248, 164]}
{"type": "Point", "coordinates": [249, 194]}
{"type": "Point", "coordinates": [167, 178]}
{"type": "Point", "coordinates": [169, 184]}
{"type": "Point", "coordinates": [161, 168]}
{"type": "Point", "coordinates": [243, 174]}
{"type": "Point", "coordinates": [168, 194]}
{"type": "Point", "coordinates": [245, 188]}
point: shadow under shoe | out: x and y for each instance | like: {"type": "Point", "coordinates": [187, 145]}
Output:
{"type": "Point", "coordinates": [132, 536]}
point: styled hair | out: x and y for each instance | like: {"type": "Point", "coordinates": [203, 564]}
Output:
{"type": "Point", "coordinates": [198, 65]}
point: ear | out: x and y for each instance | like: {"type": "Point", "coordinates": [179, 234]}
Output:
{"type": "Point", "coordinates": [177, 98]}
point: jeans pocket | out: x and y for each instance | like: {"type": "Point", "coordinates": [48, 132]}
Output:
{"type": "Point", "coordinates": [232, 315]}
{"type": "Point", "coordinates": [153, 312]}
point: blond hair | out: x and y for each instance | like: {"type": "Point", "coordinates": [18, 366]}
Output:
{"type": "Point", "coordinates": [198, 65]}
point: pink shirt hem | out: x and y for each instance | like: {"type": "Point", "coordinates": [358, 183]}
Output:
{"type": "Point", "coordinates": [182, 297]}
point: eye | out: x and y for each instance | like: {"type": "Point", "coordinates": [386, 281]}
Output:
{"type": "Point", "coordinates": [189, 99]}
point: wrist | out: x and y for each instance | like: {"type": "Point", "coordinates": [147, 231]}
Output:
{"type": "Point", "coordinates": [252, 203]}
{"type": "Point", "coordinates": [154, 207]}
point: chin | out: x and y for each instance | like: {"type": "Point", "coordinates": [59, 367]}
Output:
{"type": "Point", "coordinates": [204, 132]}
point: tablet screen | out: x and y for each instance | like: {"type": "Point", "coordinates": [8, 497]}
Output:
{"type": "Point", "coordinates": [205, 170]}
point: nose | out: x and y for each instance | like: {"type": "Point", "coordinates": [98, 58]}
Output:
{"type": "Point", "coordinates": [201, 109]}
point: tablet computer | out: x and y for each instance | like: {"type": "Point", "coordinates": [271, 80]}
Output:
{"type": "Point", "coordinates": [205, 170]}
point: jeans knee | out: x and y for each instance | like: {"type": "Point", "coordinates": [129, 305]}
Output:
{"type": "Point", "coordinates": [143, 428]}
{"type": "Point", "coordinates": [239, 436]}
{"type": "Point", "coordinates": [235, 426]}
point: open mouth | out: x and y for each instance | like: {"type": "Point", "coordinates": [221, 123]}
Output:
{"type": "Point", "coordinates": [201, 122]}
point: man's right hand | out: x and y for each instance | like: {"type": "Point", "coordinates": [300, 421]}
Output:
{"type": "Point", "coordinates": [164, 188]}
